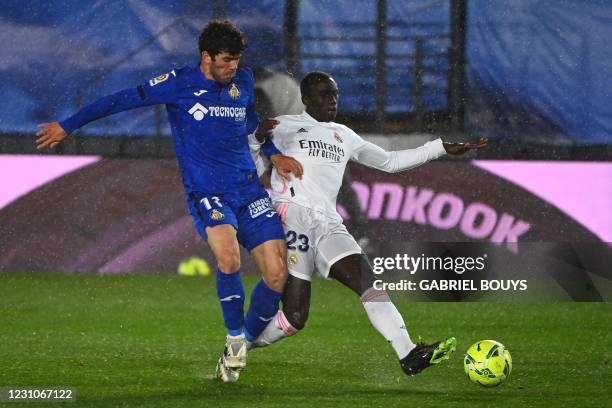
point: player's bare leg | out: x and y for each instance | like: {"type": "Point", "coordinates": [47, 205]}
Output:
{"type": "Point", "coordinates": [224, 245]}
{"type": "Point", "coordinates": [271, 258]}
{"type": "Point", "coordinates": [296, 301]}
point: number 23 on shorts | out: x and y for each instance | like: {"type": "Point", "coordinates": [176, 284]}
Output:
{"type": "Point", "coordinates": [293, 237]}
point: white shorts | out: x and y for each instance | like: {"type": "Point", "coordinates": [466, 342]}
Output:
{"type": "Point", "coordinates": [314, 241]}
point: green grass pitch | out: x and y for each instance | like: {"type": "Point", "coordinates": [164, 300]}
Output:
{"type": "Point", "coordinates": [153, 341]}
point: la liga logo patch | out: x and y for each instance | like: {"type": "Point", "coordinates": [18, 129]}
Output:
{"type": "Point", "coordinates": [161, 78]}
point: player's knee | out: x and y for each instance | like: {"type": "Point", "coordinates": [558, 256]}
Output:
{"type": "Point", "coordinates": [276, 280]}
{"type": "Point", "coordinates": [228, 260]}
{"type": "Point", "coordinates": [297, 318]}
{"type": "Point", "coordinates": [275, 275]}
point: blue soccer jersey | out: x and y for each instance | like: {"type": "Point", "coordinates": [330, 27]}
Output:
{"type": "Point", "coordinates": [210, 124]}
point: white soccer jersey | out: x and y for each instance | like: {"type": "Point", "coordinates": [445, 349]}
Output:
{"type": "Point", "coordinates": [323, 149]}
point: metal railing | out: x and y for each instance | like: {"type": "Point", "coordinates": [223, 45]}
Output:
{"type": "Point", "coordinates": [420, 66]}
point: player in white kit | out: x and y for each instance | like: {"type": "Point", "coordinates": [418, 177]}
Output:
{"type": "Point", "coordinates": [317, 239]}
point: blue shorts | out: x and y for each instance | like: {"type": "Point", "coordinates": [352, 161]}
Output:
{"type": "Point", "coordinates": [255, 222]}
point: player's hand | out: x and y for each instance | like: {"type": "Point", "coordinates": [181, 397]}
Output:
{"type": "Point", "coordinates": [285, 165]}
{"type": "Point", "coordinates": [265, 128]}
{"type": "Point", "coordinates": [50, 135]}
{"type": "Point", "coordinates": [460, 148]}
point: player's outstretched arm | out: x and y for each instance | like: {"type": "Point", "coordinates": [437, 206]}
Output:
{"type": "Point", "coordinates": [374, 156]}
{"type": "Point", "coordinates": [147, 94]}
{"type": "Point", "coordinates": [50, 135]}
{"type": "Point", "coordinates": [457, 149]}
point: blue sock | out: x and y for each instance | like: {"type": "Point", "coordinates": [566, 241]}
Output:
{"type": "Point", "coordinates": [231, 296]}
{"type": "Point", "coordinates": [263, 307]}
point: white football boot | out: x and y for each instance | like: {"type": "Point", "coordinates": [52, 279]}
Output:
{"type": "Point", "coordinates": [233, 360]}
{"type": "Point", "coordinates": [224, 373]}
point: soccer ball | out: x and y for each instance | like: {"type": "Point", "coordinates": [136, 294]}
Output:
{"type": "Point", "coordinates": [487, 363]}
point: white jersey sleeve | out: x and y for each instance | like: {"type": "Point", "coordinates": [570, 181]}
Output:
{"type": "Point", "coordinates": [261, 162]}
{"type": "Point", "coordinates": [257, 155]}
{"type": "Point", "coordinates": [376, 157]}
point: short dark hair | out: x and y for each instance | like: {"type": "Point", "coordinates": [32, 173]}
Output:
{"type": "Point", "coordinates": [222, 36]}
{"type": "Point", "coordinates": [312, 79]}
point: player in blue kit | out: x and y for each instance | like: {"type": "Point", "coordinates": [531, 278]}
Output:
{"type": "Point", "coordinates": [212, 114]}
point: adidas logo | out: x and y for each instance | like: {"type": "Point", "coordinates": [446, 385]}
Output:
{"type": "Point", "coordinates": [302, 130]}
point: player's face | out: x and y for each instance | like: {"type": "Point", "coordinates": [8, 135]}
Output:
{"type": "Point", "coordinates": [322, 101]}
{"type": "Point", "coordinates": [223, 67]}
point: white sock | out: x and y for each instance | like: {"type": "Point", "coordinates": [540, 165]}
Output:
{"type": "Point", "coordinates": [278, 328]}
{"type": "Point", "coordinates": [385, 318]}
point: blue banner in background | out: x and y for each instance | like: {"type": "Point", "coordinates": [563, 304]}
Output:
{"type": "Point", "coordinates": [537, 71]}
{"type": "Point", "coordinates": [541, 69]}
{"type": "Point", "coordinates": [340, 38]}
{"type": "Point", "coordinates": [56, 54]}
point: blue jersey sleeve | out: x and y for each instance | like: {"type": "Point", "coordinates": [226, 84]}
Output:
{"type": "Point", "coordinates": [159, 90]}
{"type": "Point", "coordinates": [269, 149]}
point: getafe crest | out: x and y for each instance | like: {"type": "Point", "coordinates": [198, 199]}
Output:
{"type": "Point", "coordinates": [216, 215]}
{"type": "Point", "coordinates": [234, 92]}
{"type": "Point", "coordinates": [337, 137]}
